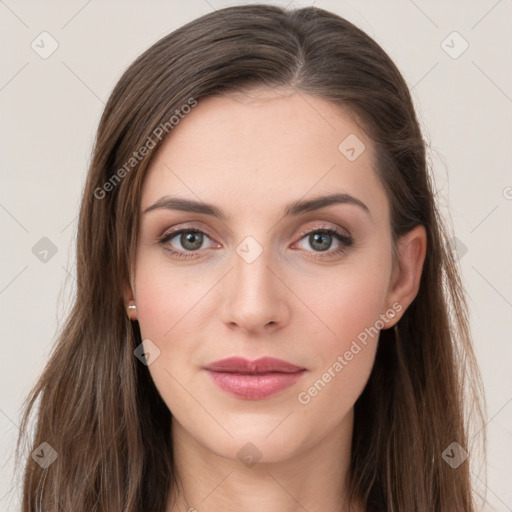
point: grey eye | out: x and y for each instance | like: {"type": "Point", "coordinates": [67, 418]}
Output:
{"type": "Point", "coordinates": [191, 240]}
{"type": "Point", "coordinates": [320, 241]}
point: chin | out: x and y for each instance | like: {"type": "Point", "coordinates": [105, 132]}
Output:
{"type": "Point", "coordinates": [261, 441]}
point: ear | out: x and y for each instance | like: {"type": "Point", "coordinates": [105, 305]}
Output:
{"type": "Point", "coordinates": [406, 275]}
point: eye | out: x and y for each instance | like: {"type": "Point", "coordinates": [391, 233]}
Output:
{"type": "Point", "coordinates": [190, 240]}
{"type": "Point", "coordinates": [321, 239]}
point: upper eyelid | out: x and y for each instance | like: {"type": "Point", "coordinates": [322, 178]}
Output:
{"type": "Point", "coordinates": [178, 230]}
{"type": "Point", "coordinates": [327, 227]}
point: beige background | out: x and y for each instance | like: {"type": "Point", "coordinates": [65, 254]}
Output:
{"type": "Point", "coordinates": [49, 113]}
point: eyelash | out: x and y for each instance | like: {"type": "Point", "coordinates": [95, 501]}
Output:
{"type": "Point", "coordinates": [345, 241]}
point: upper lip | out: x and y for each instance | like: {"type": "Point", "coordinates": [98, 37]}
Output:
{"type": "Point", "coordinates": [263, 365]}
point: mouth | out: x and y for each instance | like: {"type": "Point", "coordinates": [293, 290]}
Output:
{"type": "Point", "coordinates": [254, 380]}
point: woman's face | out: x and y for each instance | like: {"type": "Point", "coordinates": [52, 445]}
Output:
{"type": "Point", "coordinates": [262, 281]}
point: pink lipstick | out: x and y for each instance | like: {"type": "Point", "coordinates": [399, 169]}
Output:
{"type": "Point", "coordinates": [254, 380]}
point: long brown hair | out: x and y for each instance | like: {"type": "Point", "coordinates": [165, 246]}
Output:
{"type": "Point", "coordinates": [99, 409]}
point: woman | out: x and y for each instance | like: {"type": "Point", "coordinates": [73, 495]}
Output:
{"type": "Point", "coordinates": [268, 315]}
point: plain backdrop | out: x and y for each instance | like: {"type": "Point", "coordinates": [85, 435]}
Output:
{"type": "Point", "coordinates": [50, 107]}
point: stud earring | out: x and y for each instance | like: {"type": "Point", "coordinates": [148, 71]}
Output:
{"type": "Point", "coordinates": [131, 305]}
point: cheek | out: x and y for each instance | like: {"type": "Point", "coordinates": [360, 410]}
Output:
{"type": "Point", "coordinates": [345, 356]}
{"type": "Point", "coordinates": [165, 296]}
{"type": "Point", "coordinates": [170, 303]}
{"type": "Point", "coordinates": [165, 308]}
{"type": "Point", "coordinates": [349, 300]}
{"type": "Point", "coordinates": [349, 304]}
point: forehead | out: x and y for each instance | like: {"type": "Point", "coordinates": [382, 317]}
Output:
{"type": "Point", "coordinates": [263, 147]}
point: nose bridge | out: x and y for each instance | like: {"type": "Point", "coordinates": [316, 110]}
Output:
{"type": "Point", "coordinates": [252, 273]}
{"type": "Point", "coordinates": [255, 293]}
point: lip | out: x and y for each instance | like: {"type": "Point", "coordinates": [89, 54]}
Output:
{"type": "Point", "coordinates": [253, 380]}
{"type": "Point", "coordinates": [263, 365]}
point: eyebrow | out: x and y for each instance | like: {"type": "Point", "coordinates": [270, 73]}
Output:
{"type": "Point", "coordinates": [293, 209]}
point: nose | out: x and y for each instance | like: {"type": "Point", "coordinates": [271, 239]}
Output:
{"type": "Point", "coordinates": [256, 299]}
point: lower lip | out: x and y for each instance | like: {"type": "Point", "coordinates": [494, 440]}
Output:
{"type": "Point", "coordinates": [254, 387]}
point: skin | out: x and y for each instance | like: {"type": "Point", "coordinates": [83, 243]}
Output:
{"type": "Point", "coordinates": [252, 154]}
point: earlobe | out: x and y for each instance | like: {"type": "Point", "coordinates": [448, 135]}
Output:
{"type": "Point", "coordinates": [405, 283]}
{"type": "Point", "coordinates": [131, 307]}
{"type": "Point", "coordinates": [131, 310]}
